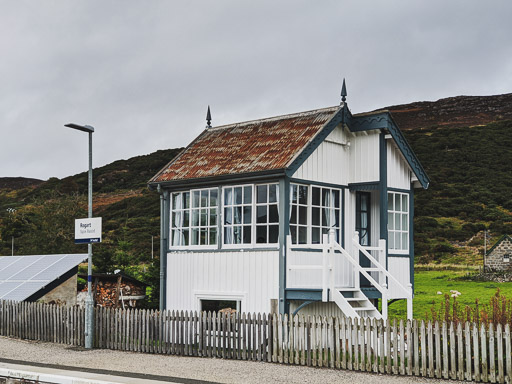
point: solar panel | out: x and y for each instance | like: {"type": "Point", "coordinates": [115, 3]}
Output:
{"type": "Point", "coordinates": [22, 276]}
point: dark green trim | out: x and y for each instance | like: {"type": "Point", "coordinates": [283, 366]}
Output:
{"type": "Point", "coordinates": [163, 248]}
{"type": "Point", "coordinates": [319, 183]}
{"type": "Point", "coordinates": [326, 130]}
{"type": "Point", "coordinates": [497, 243]}
{"type": "Point", "coordinates": [284, 229]}
{"type": "Point", "coordinates": [383, 190]}
{"type": "Point", "coordinates": [366, 186]}
{"type": "Point", "coordinates": [304, 304]}
{"type": "Point", "coordinates": [371, 293]}
{"type": "Point", "coordinates": [236, 178]}
{"type": "Point", "coordinates": [165, 243]}
{"type": "Point", "coordinates": [303, 294]}
{"type": "Point", "coordinates": [399, 190]}
{"type": "Point", "coordinates": [249, 248]}
{"type": "Point", "coordinates": [411, 236]}
{"type": "Point", "coordinates": [397, 255]}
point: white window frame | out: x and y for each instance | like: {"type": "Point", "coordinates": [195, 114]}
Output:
{"type": "Point", "coordinates": [239, 297]}
{"type": "Point", "coordinates": [190, 226]}
{"type": "Point", "coordinates": [393, 213]}
{"type": "Point", "coordinates": [310, 211]}
{"type": "Point", "coordinates": [254, 204]}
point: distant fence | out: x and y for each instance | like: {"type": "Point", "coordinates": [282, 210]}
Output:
{"type": "Point", "coordinates": [439, 350]}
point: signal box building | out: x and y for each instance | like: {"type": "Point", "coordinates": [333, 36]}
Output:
{"type": "Point", "coordinates": [309, 212]}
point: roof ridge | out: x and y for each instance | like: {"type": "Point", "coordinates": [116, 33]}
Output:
{"type": "Point", "coordinates": [273, 118]}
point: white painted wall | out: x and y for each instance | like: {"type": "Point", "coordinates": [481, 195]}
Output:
{"type": "Point", "coordinates": [399, 267]}
{"type": "Point", "coordinates": [399, 173]}
{"type": "Point", "coordinates": [364, 157]}
{"type": "Point", "coordinates": [329, 163]}
{"type": "Point", "coordinates": [344, 275]}
{"type": "Point", "coordinates": [249, 276]}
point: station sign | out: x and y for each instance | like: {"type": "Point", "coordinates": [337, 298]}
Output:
{"type": "Point", "coordinates": [88, 231]}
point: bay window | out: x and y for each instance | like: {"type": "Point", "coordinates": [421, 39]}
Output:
{"type": "Point", "coordinates": [398, 222]}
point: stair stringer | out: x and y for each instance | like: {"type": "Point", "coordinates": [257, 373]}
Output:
{"type": "Point", "coordinates": [343, 304]}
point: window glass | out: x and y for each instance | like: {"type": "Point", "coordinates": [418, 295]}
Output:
{"type": "Point", "coordinates": [398, 222]}
{"type": "Point", "coordinates": [194, 217]}
{"type": "Point", "coordinates": [313, 211]}
{"type": "Point", "coordinates": [248, 220]}
{"type": "Point", "coordinates": [267, 213]}
{"type": "Point", "coordinates": [299, 213]}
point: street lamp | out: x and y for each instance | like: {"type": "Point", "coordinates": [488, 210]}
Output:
{"type": "Point", "coordinates": [89, 301]}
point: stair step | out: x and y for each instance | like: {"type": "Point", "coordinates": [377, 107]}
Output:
{"type": "Point", "coordinates": [363, 308]}
{"type": "Point", "coordinates": [354, 299]}
{"type": "Point", "coordinates": [372, 269]}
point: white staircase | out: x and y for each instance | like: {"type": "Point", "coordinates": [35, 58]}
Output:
{"type": "Point", "coordinates": [351, 300]}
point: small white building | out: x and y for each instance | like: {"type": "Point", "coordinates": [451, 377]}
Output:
{"type": "Point", "coordinates": [247, 209]}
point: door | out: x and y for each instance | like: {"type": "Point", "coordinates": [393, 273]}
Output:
{"type": "Point", "coordinates": [363, 226]}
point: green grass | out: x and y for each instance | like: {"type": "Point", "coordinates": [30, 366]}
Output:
{"type": "Point", "coordinates": [428, 283]}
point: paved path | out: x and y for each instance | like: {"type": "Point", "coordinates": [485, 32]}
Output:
{"type": "Point", "coordinates": [129, 366]}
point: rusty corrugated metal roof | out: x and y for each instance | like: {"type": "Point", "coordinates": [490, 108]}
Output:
{"type": "Point", "coordinates": [253, 146]}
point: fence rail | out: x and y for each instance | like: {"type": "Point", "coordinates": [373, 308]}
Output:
{"type": "Point", "coordinates": [463, 351]}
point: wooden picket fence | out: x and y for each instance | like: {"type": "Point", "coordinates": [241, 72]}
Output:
{"type": "Point", "coordinates": [438, 350]}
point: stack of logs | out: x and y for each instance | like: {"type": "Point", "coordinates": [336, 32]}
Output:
{"type": "Point", "coordinates": [109, 293]}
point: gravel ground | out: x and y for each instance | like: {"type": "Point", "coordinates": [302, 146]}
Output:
{"type": "Point", "coordinates": [212, 370]}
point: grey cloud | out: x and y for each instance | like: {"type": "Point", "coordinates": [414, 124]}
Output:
{"type": "Point", "coordinates": [143, 72]}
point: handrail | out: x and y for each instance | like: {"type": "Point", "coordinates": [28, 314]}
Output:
{"type": "Point", "coordinates": [381, 267]}
{"type": "Point", "coordinates": [359, 268]}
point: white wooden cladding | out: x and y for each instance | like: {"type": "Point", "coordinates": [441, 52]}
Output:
{"type": "Point", "coordinates": [251, 277]}
{"type": "Point", "coordinates": [399, 174]}
{"type": "Point", "coordinates": [329, 163]}
{"type": "Point", "coordinates": [364, 157]}
{"type": "Point", "coordinates": [463, 351]}
{"type": "Point", "coordinates": [307, 278]}
{"type": "Point", "coordinates": [336, 162]}
{"type": "Point", "coordinates": [400, 268]}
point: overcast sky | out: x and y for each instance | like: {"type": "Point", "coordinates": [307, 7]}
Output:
{"type": "Point", "coordinates": [143, 72]}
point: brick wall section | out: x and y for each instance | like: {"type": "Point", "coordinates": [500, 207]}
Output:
{"type": "Point", "coordinates": [64, 294]}
{"type": "Point", "coordinates": [494, 260]}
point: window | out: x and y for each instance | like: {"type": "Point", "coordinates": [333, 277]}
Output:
{"type": "Point", "coordinates": [251, 214]}
{"type": "Point", "coordinates": [398, 222]}
{"type": "Point", "coordinates": [194, 217]}
{"type": "Point", "coordinates": [313, 212]}
{"type": "Point", "coordinates": [325, 213]}
{"type": "Point", "coordinates": [238, 215]}
{"type": "Point", "coordinates": [299, 213]}
{"type": "Point", "coordinates": [267, 214]}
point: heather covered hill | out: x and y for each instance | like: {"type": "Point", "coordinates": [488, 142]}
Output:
{"type": "Point", "coordinates": [464, 144]}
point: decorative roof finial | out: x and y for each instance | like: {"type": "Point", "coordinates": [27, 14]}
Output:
{"type": "Point", "coordinates": [343, 91]}
{"type": "Point", "coordinates": [208, 118]}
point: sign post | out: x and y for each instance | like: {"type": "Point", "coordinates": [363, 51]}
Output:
{"type": "Point", "coordinates": [88, 231]}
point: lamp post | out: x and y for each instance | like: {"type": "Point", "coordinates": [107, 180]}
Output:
{"type": "Point", "coordinates": [89, 301]}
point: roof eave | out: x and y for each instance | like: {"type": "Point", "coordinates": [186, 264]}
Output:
{"type": "Point", "coordinates": [217, 180]}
